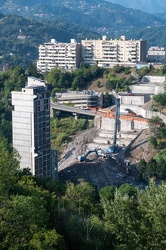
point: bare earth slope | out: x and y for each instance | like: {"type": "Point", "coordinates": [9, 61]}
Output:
{"type": "Point", "coordinates": [103, 172]}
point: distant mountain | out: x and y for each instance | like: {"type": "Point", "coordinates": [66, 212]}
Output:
{"type": "Point", "coordinates": [64, 20]}
{"type": "Point", "coordinates": [97, 15]}
{"type": "Point", "coordinates": [21, 37]}
{"type": "Point", "coordinates": [149, 6]}
{"type": "Point", "coordinates": [155, 36]}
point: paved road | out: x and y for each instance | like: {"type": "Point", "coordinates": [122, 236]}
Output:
{"type": "Point", "coordinates": [72, 109]}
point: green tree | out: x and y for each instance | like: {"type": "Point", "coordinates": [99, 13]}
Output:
{"type": "Point", "coordinates": [47, 239]}
{"type": "Point", "coordinates": [153, 141]}
{"type": "Point", "coordinates": [141, 166]}
{"type": "Point", "coordinates": [21, 218]}
{"type": "Point", "coordinates": [127, 189]}
{"type": "Point", "coordinates": [138, 223]}
{"type": "Point", "coordinates": [32, 71]}
{"type": "Point", "coordinates": [9, 168]}
{"type": "Point", "coordinates": [107, 193]}
{"type": "Point", "coordinates": [98, 83]}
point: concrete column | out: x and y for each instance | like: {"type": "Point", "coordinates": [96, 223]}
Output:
{"type": "Point", "coordinates": [76, 116]}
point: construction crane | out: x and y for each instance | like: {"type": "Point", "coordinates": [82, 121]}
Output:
{"type": "Point", "coordinates": [117, 115]}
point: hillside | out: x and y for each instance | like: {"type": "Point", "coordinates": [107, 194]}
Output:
{"type": "Point", "coordinates": [96, 15]}
{"type": "Point", "coordinates": [149, 6]}
{"type": "Point", "coordinates": [63, 20]}
{"type": "Point", "coordinates": [21, 37]}
{"type": "Point", "coordinates": [103, 172]}
{"type": "Point", "coordinates": [155, 36]}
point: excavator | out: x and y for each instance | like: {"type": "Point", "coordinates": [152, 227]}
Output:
{"type": "Point", "coordinates": [83, 158]}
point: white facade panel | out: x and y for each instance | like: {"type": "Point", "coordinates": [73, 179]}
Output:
{"type": "Point", "coordinates": [23, 108]}
{"type": "Point", "coordinates": [22, 131]}
{"type": "Point", "coordinates": [23, 149]}
{"type": "Point", "coordinates": [22, 125]}
{"type": "Point", "coordinates": [21, 137]}
{"type": "Point", "coordinates": [23, 103]}
{"type": "Point", "coordinates": [21, 144]}
{"type": "Point", "coordinates": [21, 114]}
{"type": "Point", "coordinates": [21, 120]}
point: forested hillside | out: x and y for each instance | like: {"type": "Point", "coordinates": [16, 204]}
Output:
{"type": "Point", "coordinates": [97, 15]}
{"type": "Point", "coordinates": [150, 6]}
{"type": "Point", "coordinates": [44, 214]}
{"type": "Point", "coordinates": [155, 36]}
{"type": "Point", "coordinates": [21, 37]}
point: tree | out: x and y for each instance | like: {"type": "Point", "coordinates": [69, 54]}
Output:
{"type": "Point", "coordinates": [155, 123]}
{"type": "Point", "coordinates": [21, 218]}
{"type": "Point", "coordinates": [107, 193]}
{"type": "Point", "coordinates": [153, 141]}
{"type": "Point", "coordinates": [127, 189]}
{"type": "Point", "coordinates": [141, 166]}
{"type": "Point", "coordinates": [9, 168]}
{"type": "Point", "coordinates": [47, 239]}
{"type": "Point", "coordinates": [32, 71]}
{"type": "Point", "coordinates": [98, 83]}
{"type": "Point", "coordinates": [110, 84]}
{"type": "Point", "coordinates": [138, 223]}
{"type": "Point", "coordinates": [143, 71]}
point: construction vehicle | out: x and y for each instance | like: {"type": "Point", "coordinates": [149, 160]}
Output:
{"type": "Point", "coordinates": [83, 158]}
{"type": "Point", "coordinates": [99, 152]}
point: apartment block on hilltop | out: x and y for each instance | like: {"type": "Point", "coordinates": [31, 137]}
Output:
{"type": "Point", "coordinates": [62, 55]}
{"type": "Point", "coordinates": [31, 128]}
{"type": "Point", "coordinates": [103, 52]}
{"type": "Point", "coordinates": [107, 53]}
{"type": "Point", "coordinates": [156, 54]}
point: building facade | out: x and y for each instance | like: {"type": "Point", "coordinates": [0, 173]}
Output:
{"type": "Point", "coordinates": [108, 53]}
{"type": "Point", "coordinates": [81, 99]}
{"type": "Point", "coordinates": [156, 55]}
{"type": "Point", "coordinates": [31, 128]}
{"type": "Point", "coordinates": [61, 55]}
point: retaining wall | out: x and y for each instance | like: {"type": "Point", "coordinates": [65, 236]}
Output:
{"type": "Point", "coordinates": [124, 125]}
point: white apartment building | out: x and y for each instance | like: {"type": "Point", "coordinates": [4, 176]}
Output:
{"type": "Point", "coordinates": [156, 54]}
{"type": "Point", "coordinates": [31, 128]}
{"type": "Point", "coordinates": [108, 53]}
{"type": "Point", "coordinates": [62, 55]}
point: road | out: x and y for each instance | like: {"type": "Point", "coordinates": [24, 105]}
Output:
{"type": "Point", "coordinates": [73, 110]}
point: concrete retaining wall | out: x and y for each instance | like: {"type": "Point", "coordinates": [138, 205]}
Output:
{"type": "Point", "coordinates": [149, 114]}
{"type": "Point", "coordinates": [124, 125]}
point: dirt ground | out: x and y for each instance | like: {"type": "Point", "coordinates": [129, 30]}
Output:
{"type": "Point", "coordinates": [103, 172]}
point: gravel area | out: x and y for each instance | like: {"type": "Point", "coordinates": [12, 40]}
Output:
{"type": "Point", "coordinates": [76, 148]}
{"type": "Point", "coordinates": [103, 172]}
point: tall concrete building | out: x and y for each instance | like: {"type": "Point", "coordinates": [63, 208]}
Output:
{"type": "Point", "coordinates": [62, 55]}
{"type": "Point", "coordinates": [108, 53]}
{"type": "Point", "coordinates": [31, 128]}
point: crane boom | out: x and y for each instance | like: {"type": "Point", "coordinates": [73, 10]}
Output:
{"type": "Point", "coordinates": [117, 115]}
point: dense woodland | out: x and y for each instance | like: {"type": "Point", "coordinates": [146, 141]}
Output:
{"type": "Point", "coordinates": [21, 37]}
{"type": "Point", "coordinates": [44, 214]}
{"type": "Point", "coordinates": [100, 16]}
